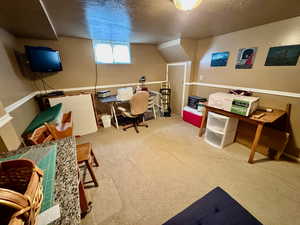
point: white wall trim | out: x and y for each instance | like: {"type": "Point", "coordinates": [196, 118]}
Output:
{"type": "Point", "coordinates": [20, 102]}
{"type": "Point", "coordinates": [291, 157]}
{"type": "Point", "coordinates": [178, 63]}
{"type": "Point", "coordinates": [183, 88]}
{"type": "Point", "coordinates": [185, 64]}
{"type": "Point", "coordinates": [263, 91]}
{"type": "Point", "coordinates": [167, 73]}
{"type": "Point", "coordinates": [48, 18]}
{"type": "Point", "coordinates": [23, 100]}
{"type": "Point", "coordinates": [104, 86]}
{"type": "Point", "coordinates": [5, 119]}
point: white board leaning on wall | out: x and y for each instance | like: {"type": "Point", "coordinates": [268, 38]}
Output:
{"type": "Point", "coordinates": [84, 121]}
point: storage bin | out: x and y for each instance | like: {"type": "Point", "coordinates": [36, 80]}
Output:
{"type": "Point", "coordinates": [192, 116]}
{"type": "Point", "coordinates": [217, 122]}
{"type": "Point", "coordinates": [213, 138]}
{"type": "Point", "coordinates": [219, 140]}
{"type": "Point", "coordinates": [220, 130]}
{"type": "Point", "coordinates": [106, 119]}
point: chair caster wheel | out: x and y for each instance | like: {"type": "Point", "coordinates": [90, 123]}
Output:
{"type": "Point", "coordinates": [147, 126]}
{"type": "Point", "coordinates": [124, 129]}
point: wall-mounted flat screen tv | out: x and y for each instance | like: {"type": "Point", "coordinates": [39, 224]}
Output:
{"type": "Point", "coordinates": [43, 59]}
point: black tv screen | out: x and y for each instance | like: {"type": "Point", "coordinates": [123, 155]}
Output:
{"type": "Point", "coordinates": [43, 59]}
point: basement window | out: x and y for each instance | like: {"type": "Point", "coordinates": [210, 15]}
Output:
{"type": "Point", "coordinates": [112, 53]}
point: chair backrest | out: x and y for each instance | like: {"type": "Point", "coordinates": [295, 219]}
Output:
{"type": "Point", "coordinates": [41, 135]}
{"type": "Point", "coordinates": [151, 101]}
{"type": "Point", "coordinates": [139, 103]}
{"type": "Point", "coordinates": [65, 129]}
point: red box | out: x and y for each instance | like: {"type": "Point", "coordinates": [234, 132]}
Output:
{"type": "Point", "coordinates": [192, 118]}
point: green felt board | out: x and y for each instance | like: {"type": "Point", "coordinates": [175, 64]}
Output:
{"type": "Point", "coordinates": [48, 165]}
{"type": "Point", "coordinates": [45, 158]}
{"type": "Point", "coordinates": [44, 117]}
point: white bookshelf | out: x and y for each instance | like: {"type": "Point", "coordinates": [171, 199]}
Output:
{"type": "Point", "coordinates": [220, 130]}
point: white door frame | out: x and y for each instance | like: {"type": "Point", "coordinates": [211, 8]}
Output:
{"type": "Point", "coordinates": [186, 79]}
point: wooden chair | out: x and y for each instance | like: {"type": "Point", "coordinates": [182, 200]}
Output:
{"type": "Point", "coordinates": [86, 155]}
{"type": "Point", "coordinates": [40, 135]}
{"type": "Point", "coordinates": [65, 129]}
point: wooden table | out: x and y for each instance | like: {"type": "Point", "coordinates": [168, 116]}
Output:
{"type": "Point", "coordinates": [269, 117]}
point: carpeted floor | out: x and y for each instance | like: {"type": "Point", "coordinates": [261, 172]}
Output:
{"type": "Point", "coordinates": [149, 177]}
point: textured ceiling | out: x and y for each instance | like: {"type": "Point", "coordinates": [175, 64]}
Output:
{"type": "Point", "coordinates": [26, 18]}
{"type": "Point", "coordinates": [156, 21]}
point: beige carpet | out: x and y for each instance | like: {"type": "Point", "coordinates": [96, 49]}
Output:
{"type": "Point", "coordinates": [149, 177]}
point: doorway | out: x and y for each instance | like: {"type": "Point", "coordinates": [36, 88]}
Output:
{"type": "Point", "coordinates": [176, 77]}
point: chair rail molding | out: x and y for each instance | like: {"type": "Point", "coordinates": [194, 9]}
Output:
{"type": "Point", "coordinates": [31, 95]}
{"type": "Point", "coordinates": [5, 119]}
{"type": "Point", "coordinates": [263, 91]}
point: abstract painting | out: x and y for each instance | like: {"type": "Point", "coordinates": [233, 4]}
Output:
{"type": "Point", "coordinates": [219, 59]}
{"type": "Point", "coordinates": [283, 56]}
{"type": "Point", "coordinates": [245, 58]}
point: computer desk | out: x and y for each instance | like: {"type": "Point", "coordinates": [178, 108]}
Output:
{"type": "Point", "coordinates": [112, 101]}
{"type": "Point", "coordinates": [269, 117]}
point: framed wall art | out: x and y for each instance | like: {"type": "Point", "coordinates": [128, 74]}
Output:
{"type": "Point", "coordinates": [245, 58]}
{"type": "Point", "coordinates": [283, 56]}
{"type": "Point", "coordinates": [219, 59]}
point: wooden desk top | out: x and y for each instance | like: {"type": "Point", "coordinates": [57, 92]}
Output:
{"type": "Point", "coordinates": [269, 117]}
{"type": "Point", "coordinates": [109, 99]}
{"type": "Point", "coordinates": [113, 98]}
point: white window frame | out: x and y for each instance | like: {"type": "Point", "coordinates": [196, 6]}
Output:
{"type": "Point", "coordinates": [112, 44]}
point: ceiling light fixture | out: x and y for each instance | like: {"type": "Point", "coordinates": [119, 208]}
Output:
{"type": "Point", "coordinates": [186, 4]}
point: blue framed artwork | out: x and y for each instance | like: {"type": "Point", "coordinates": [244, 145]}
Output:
{"type": "Point", "coordinates": [283, 56]}
{"type": "Point", "coordinates": [219, 59]}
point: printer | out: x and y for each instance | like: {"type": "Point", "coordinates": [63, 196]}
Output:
{"type": "Point", "coordinates": [239, 104]}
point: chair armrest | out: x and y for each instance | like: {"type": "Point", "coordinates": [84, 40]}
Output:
{"type": "Point", "coordinates": [122, 109]}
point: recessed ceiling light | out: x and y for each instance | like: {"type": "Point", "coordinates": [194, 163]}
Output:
{"type": "Point", "coordinates": [186, 4]}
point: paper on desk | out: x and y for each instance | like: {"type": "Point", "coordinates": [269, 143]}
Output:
{"type": "Point", "coordinates": [49, 215]}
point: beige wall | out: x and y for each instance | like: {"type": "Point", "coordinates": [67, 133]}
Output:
{"type": "Point", "coordinates": [13, 86]}
{"type": "Point", "coordinates": [79, 68]}
{"type": "Point", "coordinates": [23, 115]}
{"type": "Point", "coordinates": [190, 47]}
{"type": "Point", "coordinates": [282, 78]}
{"type": "Point", "coordinates": [146, 60]}
{"type": "Point", "coordinates": [9, 138]}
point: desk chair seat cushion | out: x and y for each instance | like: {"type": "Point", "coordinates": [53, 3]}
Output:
{"type": "Point", "coordinates": [125, 112]}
